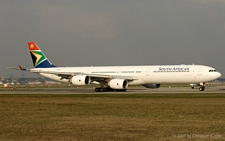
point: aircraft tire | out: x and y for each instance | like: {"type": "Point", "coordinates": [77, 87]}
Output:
{"type": "Point", "coordinates": [201, 88]}
{"type": "Point", "coordinates": [109, 90]}
{"type": "Point", "coordinates": [96, 89]}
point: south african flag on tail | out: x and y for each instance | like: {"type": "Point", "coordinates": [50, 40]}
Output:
{"type": "Point", "coordinates": [38, 57]}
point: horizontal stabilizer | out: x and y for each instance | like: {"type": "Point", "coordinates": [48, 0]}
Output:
{"type": "Point", "coordinates": [18, 68]}
{"type": "Point", "coordinates": [22, 68]}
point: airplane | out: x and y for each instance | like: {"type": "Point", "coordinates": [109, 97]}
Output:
{"type": "Point", "coordinates": [118, 78]}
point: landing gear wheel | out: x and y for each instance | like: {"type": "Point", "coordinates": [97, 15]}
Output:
{"type": "Point", "coordinates": [96, 89]}
{"type": "Point", "coordinates": [120, 90]}
{"type": "Point", "coordinates": [202, 88]}
{"type": "Point", "coordinates": [101, 89]}
{"type": "Point", "coordinates": [108, 89]}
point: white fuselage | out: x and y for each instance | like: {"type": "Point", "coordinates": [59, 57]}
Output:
{"type": "Point", "coordinates": [142, 74]}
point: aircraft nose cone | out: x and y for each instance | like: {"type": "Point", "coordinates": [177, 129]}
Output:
{"type": "Point", "coordinates": [219, 74]}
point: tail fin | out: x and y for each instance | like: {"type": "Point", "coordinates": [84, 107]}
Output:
{"type": "Point", "coordinates": [38, 57]}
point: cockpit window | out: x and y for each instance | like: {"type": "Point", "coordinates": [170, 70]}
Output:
{"type": "Point", "coordinates": [212, 70]}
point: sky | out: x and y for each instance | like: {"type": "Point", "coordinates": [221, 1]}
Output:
{"type": "Point", "coordinates": [118, 32]}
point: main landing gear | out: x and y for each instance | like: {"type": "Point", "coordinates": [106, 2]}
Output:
{"type": "Point", "coordinates": [108, 89]}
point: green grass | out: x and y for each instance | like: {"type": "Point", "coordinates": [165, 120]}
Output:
{"type": "Point", "coordinates": [112, 117]}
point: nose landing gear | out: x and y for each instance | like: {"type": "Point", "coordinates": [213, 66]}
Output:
{"type": "Point", "coordinates": [202, 87]}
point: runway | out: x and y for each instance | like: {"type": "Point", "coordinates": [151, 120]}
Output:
{"type": "Point", "coordinates": [132, 90]}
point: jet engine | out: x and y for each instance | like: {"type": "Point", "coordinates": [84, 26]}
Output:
{"type": "Point", "coordinates": [118, 84]}
{"type": "Point", "coordinates": [152, 86]}
{"type": "Point", "coordinates": [80, 80]}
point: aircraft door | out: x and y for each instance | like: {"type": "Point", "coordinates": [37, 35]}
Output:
{"type": "Point", "coordinates": [199, 73]}
{"type": "Point", "coordinates": [147, 72]}
{"type": "Point", "coordinates": [86, 71]}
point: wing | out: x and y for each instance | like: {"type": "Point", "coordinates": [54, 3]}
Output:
{"type": "Point", "coordinates": [94, 77]}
